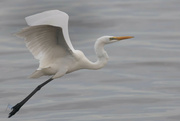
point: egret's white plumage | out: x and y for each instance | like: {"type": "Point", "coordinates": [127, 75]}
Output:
{"type": "Point", "coordinates": [48, 40]}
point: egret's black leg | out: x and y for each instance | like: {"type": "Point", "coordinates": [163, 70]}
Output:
{"type": "Point", "coordinates": [17, 107]}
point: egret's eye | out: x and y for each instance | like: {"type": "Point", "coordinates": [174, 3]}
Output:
{"type": "Point", "coordinates": [112, 38]}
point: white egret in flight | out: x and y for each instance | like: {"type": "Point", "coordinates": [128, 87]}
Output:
{"type": "Point", "coordinates": [48, 40]}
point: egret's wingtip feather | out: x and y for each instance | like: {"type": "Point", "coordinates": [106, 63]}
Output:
{"type": "Point", "coordinates": [22, 33]}
{"type": "Point", "coordinates": [18, 34]}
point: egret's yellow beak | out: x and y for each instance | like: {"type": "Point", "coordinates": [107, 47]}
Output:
{"type": "Point", "coordinates": [121, 38]}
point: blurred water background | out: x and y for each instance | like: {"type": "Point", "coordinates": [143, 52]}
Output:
{"type": "Point", "coordinates": [140, 82]}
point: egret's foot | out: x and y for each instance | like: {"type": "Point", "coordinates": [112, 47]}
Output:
{"type": "Point", "coordinates": [15, 109]}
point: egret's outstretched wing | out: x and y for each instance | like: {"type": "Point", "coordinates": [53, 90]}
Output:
{"type": "Point", "coordinates": [53, 17]}
{"type": "Point", "coordinates": [46, 43]}
{"type": "Point", "coordinates": [47, 37]}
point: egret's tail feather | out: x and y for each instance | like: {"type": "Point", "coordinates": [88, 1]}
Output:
{"type": "Point", "coordinates": [36, 74]}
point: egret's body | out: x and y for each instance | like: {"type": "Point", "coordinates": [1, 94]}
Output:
{"type": "Point", "coordinates": [48, 40]}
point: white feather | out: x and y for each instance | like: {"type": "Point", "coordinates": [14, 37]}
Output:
{"type": "Point", "coordinates": [46, 43]}
{"type": "Point", "coordinates": [53, 17]}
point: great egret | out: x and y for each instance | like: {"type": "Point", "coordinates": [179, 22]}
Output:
{"type": "Point", "coordinates": [48, 40]}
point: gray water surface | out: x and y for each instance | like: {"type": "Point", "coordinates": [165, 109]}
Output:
{"type": "Point", "coordinates": [140, 82]}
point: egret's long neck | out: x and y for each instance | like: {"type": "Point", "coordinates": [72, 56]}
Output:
{"type": "Point", "coordinates": [101, 54]}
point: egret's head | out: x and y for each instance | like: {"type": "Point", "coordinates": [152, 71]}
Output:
{"type": "Point", "coordinates": [111, 39]}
